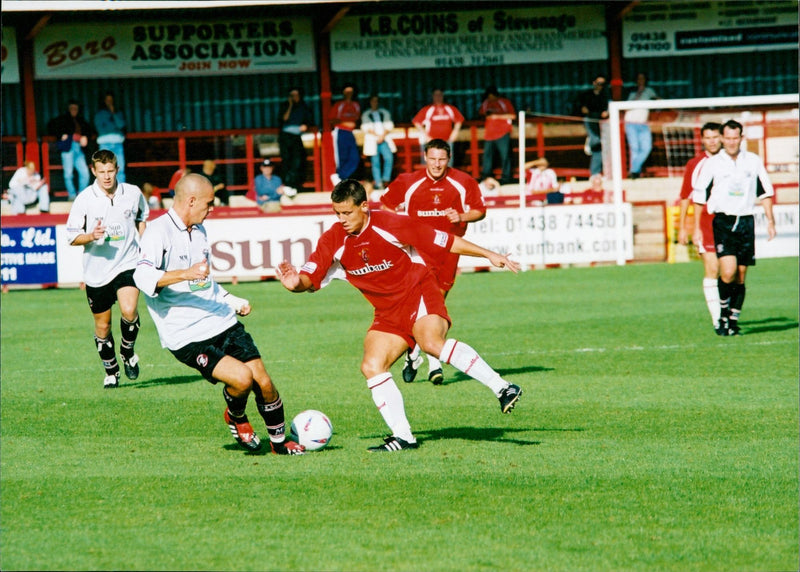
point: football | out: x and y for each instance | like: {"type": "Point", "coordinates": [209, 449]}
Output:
{"type": "Point", "coordinates": [312, 429]}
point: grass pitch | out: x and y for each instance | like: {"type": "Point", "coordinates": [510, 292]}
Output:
{"type": "Point", "coordinates": [642, 441]}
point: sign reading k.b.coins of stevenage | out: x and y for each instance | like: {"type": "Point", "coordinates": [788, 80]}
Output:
{"type": "Point", "coordinates": [174, 49]}
{"type": "Point", "coordinates": [692, 28]}
{"type": "Point", "coordinates": [461, 39]}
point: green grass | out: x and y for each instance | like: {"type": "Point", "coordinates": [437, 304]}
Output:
{"type": "Point", "coordinates": [643, 441]}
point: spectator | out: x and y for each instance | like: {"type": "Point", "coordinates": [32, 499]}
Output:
{"type": "Point", "coordinates": [344, 117]}
{"type": "Point", "coordinates": [376, 123]}
{"type": "Point", "coordinates": [499, 113]}
{"type": "Point", "coordinates": [294, 119]}
{"type": "Point", "coordinates": [637, 131]}
{"type": "Point", "coordinates": [541, 178]}
{"type": "Point", "coordinates": [269, 188]}
{"type": "Point", "coordinates": [594, 108]}
{"type": "Point", "coordinates": [26, 188]}
{"type": "Point", "coordinates": [110, 124]}
{"type": "Point", "coordinates": [72, 132]}
{"type": "Point", "coordinates": [439, 120]}
{"type": "Point", "coordinates": [209, 171]}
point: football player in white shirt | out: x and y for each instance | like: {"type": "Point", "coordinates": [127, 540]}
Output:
{"type": "Point", "coordinates": [731, 183]}
{"type": "Point", "coordinates": [196, 317]}
{"type": "Point", "coordinates": [106, 219]}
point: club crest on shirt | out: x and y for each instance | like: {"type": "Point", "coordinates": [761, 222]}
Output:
{"type": "Point", "coordinates": [202, 360]}
{"type": "Point", "coordinates": [364, 254]}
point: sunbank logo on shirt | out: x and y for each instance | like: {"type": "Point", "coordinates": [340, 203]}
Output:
{"type": "Point", "coordinates": [369, 268]}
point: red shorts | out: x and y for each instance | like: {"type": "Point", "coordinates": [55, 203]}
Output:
{"type": "Point", "coordinates": [423, 300]}
{"type": "Point", "coordinates": [444, 269]}
{"type": "Point", "coordinates": [708, 232]}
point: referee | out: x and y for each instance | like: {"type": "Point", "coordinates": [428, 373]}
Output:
{"type": "Point", "coordinates": [729, 185]}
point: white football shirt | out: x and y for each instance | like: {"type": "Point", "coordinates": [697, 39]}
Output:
{"type": "Point", "coordinates": [732, 186]}
{"type": "Point", "coordinates": [121, 214]}
{"type": "Point", "coordinates": [191, 310]}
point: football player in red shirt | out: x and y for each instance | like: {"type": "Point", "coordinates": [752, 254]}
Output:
{"type": "Point", "coordinates": [446, 199]}
{"type": "Point", "coordinates": [377, 253]}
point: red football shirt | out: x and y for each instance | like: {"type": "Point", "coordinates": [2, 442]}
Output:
{"type": "Point", "coordinates": [496, 127]}
{"type": "Point", "coordinates": [348, 111]}
{"type": "Point", "coordinates": [438, 120]}
{"type": "Point", "coordinates": [381, 261]}
{"type": "Point", "coordinates": [426, 199]}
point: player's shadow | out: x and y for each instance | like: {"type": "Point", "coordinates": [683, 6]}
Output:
{"type": "Point", "coordinates": [267, 450]}
{"type": "Point", "coordinates": [177, 380]}
{"type": "Point", "coordinates": [459, 376]}
{"type": "Point", "coordinates": [769, 325]}
{"type": "Point", "coordinates": [497, 434]}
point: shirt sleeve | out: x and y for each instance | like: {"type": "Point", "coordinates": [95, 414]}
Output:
{"type": "Point", "coordinates": [76, 221]}
{"type": "Point", "coordinates": [395, 193]}
{"type": "Point", "coordinates": [151, 260]}
{"type": "Point", "coordinates": [702, 184]}
{"type": "Point", "coordinates": [322, 266]}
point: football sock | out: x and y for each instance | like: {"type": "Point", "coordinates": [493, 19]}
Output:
{"type": "Point", "coordinates": [737, 300]}
{"type": "Point", "coordinates": [433, 364]}
{"type": "Point", "coordinates": [414, 354]}
{"type": "Point", "coordinates": [711, 292]}
{"type": "Point", "coordinates": [725, 291]}
{"type": "Point", "coordinates": [273, 416]}
{"type": "Point", "coordinates": [389, 401]}
{"type": "Point", "coordinates": [464, 358]}
{"type": "Point", "coordinates": [105, 347]}
{"type": "Point", "coordinates": [236, 405]}
{"type": "Point", "coordinates": [130, 330]}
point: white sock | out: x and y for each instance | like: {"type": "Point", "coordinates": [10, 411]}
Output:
{"type": "Point", "coordinates": [711, 292]}
{"type": "Point", "coordinates": [389, 401]}
{"type": "Point", "coordinates": [433, 364]}
{"type": "Point", "coordinates": [415, 352]}
{"type": "Point", "coordinates": [465, 359]}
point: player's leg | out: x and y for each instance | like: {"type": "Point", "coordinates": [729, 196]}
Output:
{"type": "Point", "coordinates": [238, 382]}
{"type": "Point", "coordinates": [430, 332]}
{"type": "Point", "coordinates": [711, 286]}
{"type": "Point", "coordinates": [727, 275]}
{"type": "Point", "coordinates": [737, 300]}
{"type": "Point", "coordinates": [270, 407]}
{"type": "Point", "coordinates": [129, 324]}
{"type": "Point", "coordinates": [101, 300]}
{"type": "Point", "coordinates": [381, 350]}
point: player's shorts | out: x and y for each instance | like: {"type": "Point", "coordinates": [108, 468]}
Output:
{"type": "Point", "coordinates": [205, 355]}
{"type": "Point", "coordinates": [444, 268]}
{"type": "Point", "coordinates": [706, 227]}
{"type": "Point", "coordinates": [103, 297]}
{"type": "Point", "coordinates": [735, 236]}
{"type": "Point", "coordinates": [423, 300]}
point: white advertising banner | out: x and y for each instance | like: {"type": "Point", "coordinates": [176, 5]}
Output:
{"type": "Point", "coordinates": [453, 39]}
{"type": "Point", "coordinates": [10, 56]}
{"type": "Point", "coordinates": [554, 235]}
{"type": "Point", "coordinates": [251, 248]}
{"type": "Point", "coordinates": [174, 49]}
{"type": "Point", "coordinates": [691, 28]}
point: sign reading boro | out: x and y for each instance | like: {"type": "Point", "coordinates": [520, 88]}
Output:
{"type": "Point", "coordinates": [171, 48]}
{"type": "Point", "coordinates": [461, 39]}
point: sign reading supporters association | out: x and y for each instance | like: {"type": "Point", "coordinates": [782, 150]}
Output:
{"type": "Point", "coordinates": [456, 39]}
{"type": "Point", "coordinates": [174, 49]}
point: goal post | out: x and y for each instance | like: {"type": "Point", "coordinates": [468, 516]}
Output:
{"type": "Point", "coordinates": [716, 104]}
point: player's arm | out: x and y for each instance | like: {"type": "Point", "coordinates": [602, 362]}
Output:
{"type": "Point", "coordinates": [462, 246]}
{"type": "Point", "coordinates": [455, 132]}
{"type": "Point", "coordinates": [471, 215]}
{"type": "Point", "coordinates": [766, 202]}
{"type": "Point", "coordinates": [684, 209]}
{"type": "Point", "coordinates": [291, 279]}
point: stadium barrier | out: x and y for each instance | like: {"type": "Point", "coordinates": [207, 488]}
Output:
{"type": "Point", "coordinates": [247, 244]}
